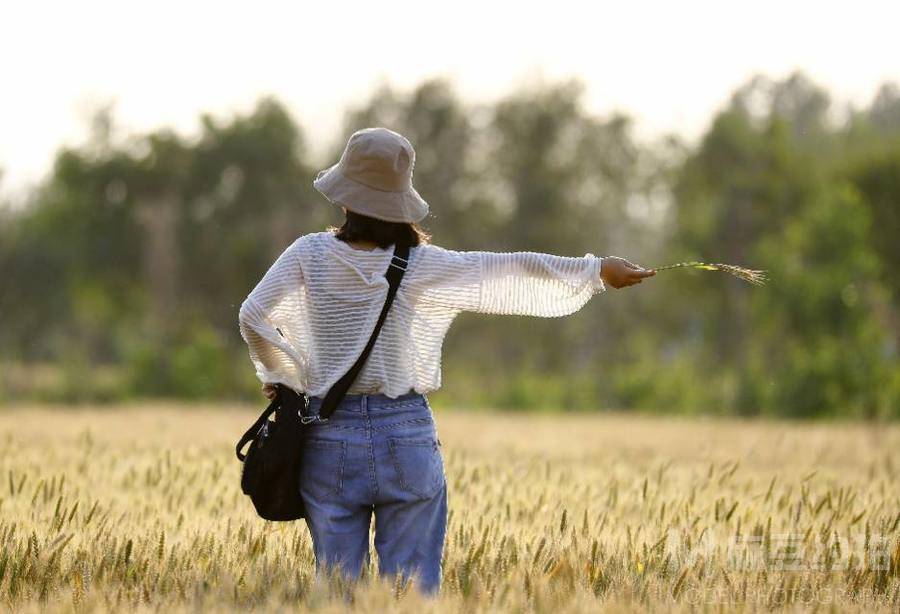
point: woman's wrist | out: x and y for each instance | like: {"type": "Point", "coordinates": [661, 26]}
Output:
{"type": "Point", "coordinates": [597, 278]}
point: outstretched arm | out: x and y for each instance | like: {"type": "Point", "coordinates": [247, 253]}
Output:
{"type": "Point", "coordinates": [517, 283]}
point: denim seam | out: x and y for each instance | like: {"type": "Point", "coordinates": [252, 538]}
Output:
{"type": "Point", "coordinates": [371, 445]}
{"type": "Point", "coordinates": [402, 423]}
{"type": "Point", "coordinates": [354, 408]}
{"type": "Point", "coordinates": [329, 426]}
{"type": "Point", "coordinates": [410, 403]}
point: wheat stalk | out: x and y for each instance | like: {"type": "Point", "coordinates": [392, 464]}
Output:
{"type": "Point", "coordinates": [755, 277]}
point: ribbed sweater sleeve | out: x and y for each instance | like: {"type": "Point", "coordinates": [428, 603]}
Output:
{"type": "Point", "coordinates": [274, 305]}
{"type": "Point", "coordinates": [512, 283]}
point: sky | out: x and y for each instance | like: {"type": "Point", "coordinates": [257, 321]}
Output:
{"type": "Point", "coordinates": [669, 65]}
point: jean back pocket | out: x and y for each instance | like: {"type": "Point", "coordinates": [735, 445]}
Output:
{"type": "Point", "coordinates": [419, 466]}
{"type": "Point", "coordinates": [322, 468]}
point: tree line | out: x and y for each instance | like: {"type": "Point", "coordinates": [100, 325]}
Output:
{"type": "Point", "coordinates": [124, 271]}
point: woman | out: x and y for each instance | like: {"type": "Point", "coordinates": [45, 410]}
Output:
{"type": "Point", "coordinates": [310, 316]}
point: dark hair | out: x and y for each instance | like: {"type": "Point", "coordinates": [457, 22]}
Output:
{"type": "Point", "coordinates": [359, 227]}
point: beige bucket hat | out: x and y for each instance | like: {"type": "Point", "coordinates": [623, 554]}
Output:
{"type": "Point", "coordinates": [374, 177]}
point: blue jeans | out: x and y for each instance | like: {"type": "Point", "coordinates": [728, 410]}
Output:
{"type": "Point", "coordinates": [376, 455]}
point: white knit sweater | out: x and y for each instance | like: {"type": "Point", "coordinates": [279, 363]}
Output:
{"type": "Point", "coordinates": [324, 296]}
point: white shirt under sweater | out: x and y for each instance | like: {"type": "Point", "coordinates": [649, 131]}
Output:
{"type": "Point", "coordinates": [324, 296]}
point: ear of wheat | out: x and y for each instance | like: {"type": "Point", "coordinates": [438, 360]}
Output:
{"type": "Point", "coordinates": [755, 277]}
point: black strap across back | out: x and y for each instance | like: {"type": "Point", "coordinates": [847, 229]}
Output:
{"type": "Point", "coordinates": [288, 397]}
{"type": "Point", "coordinates": [394, 275]}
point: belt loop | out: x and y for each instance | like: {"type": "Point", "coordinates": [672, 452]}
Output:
{"type": "Point", "coordinates": [364, 403]}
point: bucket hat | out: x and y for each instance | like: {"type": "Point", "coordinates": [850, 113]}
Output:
{"type": "Point", "coordinates": [374, 177]}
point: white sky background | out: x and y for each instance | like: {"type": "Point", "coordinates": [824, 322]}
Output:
{"type": "Point", "coordinates": [670, 65]}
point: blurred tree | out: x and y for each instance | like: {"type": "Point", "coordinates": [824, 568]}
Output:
{"type": "Point", "coordinates": [571, 177]}
{"type": "Point", "coordinates": [816, 348]}
{"type": "Point", "coordinates": [135, 253]}
{"type": "Point", "coordinates": [247, 197]}
{"type": "Point", "coordinates": [758, 192]}
{"type": "Point", "coordinates": [872, 165]}
{"type": "Point", "coordinates": [884, 113]}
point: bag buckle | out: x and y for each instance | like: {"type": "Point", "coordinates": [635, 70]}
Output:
{"type": "Point", "coordinates": [305, 418]}
{"type": "Point", "coordinates": [311, 419]}
{"type": "Point", "coordinates": [399, 263]}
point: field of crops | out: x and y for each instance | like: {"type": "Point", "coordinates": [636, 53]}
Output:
{"type": "Point", "coordinates": [139, 508]}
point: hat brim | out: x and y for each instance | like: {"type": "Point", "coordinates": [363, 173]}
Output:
{"type": "Point", "coordinates": [407, 206]}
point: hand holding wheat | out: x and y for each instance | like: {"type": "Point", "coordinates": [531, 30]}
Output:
{"type": "Point", "coordinates": [619, 273]}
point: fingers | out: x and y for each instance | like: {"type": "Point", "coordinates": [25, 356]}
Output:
{"type": "Point", "coordinates": [635, 277]}
{"type": "Point", "coordinates": [639, 269]}
{"type": "Point", "coordinates": [626, 282]}
{"type": "Point", "coordinates": [638, 275]}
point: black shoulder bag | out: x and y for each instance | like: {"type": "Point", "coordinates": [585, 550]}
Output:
{"type": "Point", "coordinates": [271, 470]}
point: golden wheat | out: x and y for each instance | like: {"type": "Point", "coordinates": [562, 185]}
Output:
{"type": "Point", "coordinates": [753, 276]}
{"type": "Point", "coordinates": [139, 508]}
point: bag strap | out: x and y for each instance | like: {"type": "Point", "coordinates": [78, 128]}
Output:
{"type": "Point", "coordinates": [394, 275]}
{"type": "Point", "coordinates": [250, 435]}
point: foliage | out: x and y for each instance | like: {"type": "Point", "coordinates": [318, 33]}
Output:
{"type": "Point", "coordinates": [127, 266]}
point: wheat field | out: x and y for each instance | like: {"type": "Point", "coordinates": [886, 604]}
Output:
{"type": "Point", "coordinates": [138, 508]}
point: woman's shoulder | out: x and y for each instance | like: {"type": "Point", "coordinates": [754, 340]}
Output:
{"type": "Point", "coordinates": [429, 255]}
{"type": "Point", "coordinates": [308, 247]}
{"type": "Point", "coordinates": [313, 240]}
{"type": "Point", "coordinates": [434, 250]}
{"type": "Point", "coordinates": [438, 251]}
{"type": "Point", "coordinates": [430, 251]}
